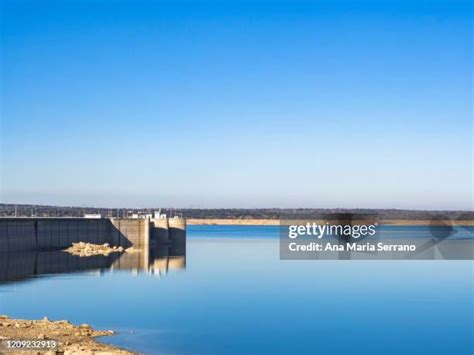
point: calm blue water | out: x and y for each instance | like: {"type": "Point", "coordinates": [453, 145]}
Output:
{"type": "Point", "coordinates": [385, 231]}
{"type": "Point", "coordinates": [236, 296]}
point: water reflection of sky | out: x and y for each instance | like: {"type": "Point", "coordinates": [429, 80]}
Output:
{"type": "Point", "coordinates": [383, 231]}
{"type": "Point", "coordinates": [236, 296]}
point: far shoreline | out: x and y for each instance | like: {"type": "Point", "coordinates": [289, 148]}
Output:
{"type": "Point", "coordinates": [276, 222]}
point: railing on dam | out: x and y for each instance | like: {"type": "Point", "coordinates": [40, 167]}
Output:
{"type": "Point", "coordinates": [32, 234]}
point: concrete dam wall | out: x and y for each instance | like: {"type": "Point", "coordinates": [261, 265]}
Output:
{"type": "Point", "coordinates": [25, 234]}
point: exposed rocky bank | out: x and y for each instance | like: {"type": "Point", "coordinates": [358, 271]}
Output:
{"type": "Point", "coordinates": [70, 339]}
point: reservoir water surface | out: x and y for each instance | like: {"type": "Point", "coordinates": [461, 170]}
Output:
{"type": "Point", "coordinates": [230, 293]}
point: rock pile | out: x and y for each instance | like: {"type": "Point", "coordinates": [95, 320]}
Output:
{"type": "Point", "coordinates": [83, 249]}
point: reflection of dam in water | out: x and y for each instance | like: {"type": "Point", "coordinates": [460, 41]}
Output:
{"type": "Point", "coordinates": [157, 260]}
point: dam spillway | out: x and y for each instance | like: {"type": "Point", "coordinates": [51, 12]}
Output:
{"type": "Point", "coordinates": [31, 233]}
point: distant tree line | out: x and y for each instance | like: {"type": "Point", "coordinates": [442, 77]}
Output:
{"type": "Point", "coordinates": [11, 210]}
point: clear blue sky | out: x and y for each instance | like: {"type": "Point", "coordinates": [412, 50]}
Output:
{"type": "Point", "coordinates": [237, 103]}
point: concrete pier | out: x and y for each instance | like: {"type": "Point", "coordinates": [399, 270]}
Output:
{"type": "Point", "coordinates": [160, 230]}
{"type": "Point", "coordinates": [177, 230]}
{"type": "Point", "coordinates": [28, 234]}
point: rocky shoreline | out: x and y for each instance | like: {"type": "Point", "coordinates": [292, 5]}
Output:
{"type": "Point", "coordinates": [43, 334]}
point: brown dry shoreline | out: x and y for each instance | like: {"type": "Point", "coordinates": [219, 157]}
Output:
{"type": "Point", "coordinates": [276, 222]}
{"type": "Point", "coordinates": [70, 339]}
